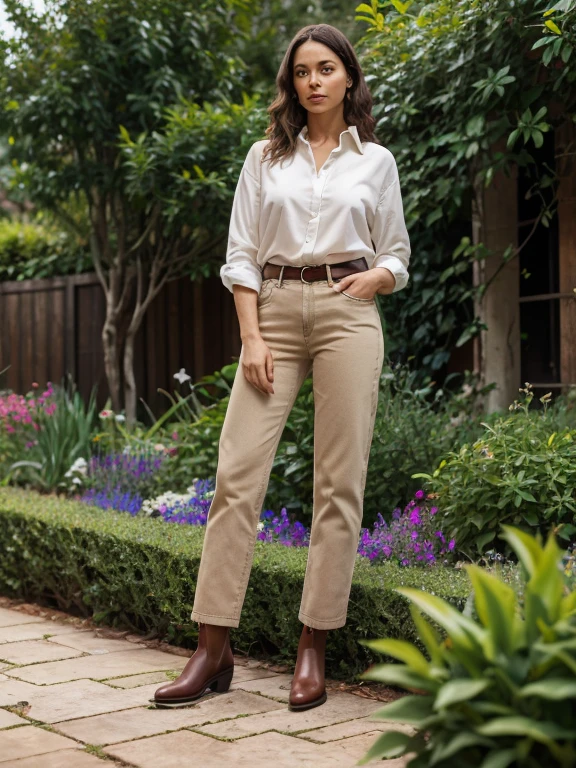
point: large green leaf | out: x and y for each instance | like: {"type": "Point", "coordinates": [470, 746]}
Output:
{"type": "Point", "coordinates": [496, 606]}
{"type": "Point", "coordinates": [388, 745]}
{"type": "Point", "coordinates": [554, 689]}
{"type": "Point", "coordinates": [467, 637]}
{"type": "Point", "coordinates": [448, 748]}
{"type": "Point", "coordinates": [403, 651]}
{"type": "Point", "coordinates": [408, 709]}
{"type": "Point", "coordinates": [401, 675]}
{"type": "Point", "coordinates": [428, 636]}
{"type": "Point", "coordinates": [455, 691]}
{"type": "Point", "coordinates": [501, 758]}
{"type": "Point", "coordinates": [543, 732]}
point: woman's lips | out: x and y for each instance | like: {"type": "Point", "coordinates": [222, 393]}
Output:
{"type": "Point", "coordinates": [316, 98]}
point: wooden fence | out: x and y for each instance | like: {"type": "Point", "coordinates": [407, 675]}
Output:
{"type": "Point", "coordinates": [49, 328]}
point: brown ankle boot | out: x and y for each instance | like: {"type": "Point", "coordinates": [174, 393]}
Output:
{"type": "Point", "coordinates": [211, 666]}
{"type": "Point", "coordinates": [308, 689]}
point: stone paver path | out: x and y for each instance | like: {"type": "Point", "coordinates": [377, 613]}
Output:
{"type": "Point", "coordinates": [74, 698]}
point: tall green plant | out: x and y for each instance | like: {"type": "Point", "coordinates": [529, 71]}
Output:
{"type": "Point", "coordinates": [500, 688]}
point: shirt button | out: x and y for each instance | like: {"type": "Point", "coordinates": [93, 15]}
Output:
{"type": "Point", "coordinates": [314, 214]}
{"type": "Point", "coordinates": [308, 239]}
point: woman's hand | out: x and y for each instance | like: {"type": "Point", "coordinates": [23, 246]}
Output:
{"type": "Point", "coordinates": [258, 364]}
{"type": "Point", "coordinates": [365, 285]}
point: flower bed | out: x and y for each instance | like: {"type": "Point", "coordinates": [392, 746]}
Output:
{"type": "Point", "coordinates": [137, 572]}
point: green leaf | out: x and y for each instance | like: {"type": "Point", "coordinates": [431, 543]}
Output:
{"type": "Point", "coordinates": [501, 758]}
{"type": "Point", "coordinates": [552, 689]}
{"type": "Point", "coordinates": [388, 745]}
{"type": "Point", "coordinates": [403, 651]}
{"type": "Point", "coordinates": [455, 691]}
{"type": "Point", "coordinates": [401, 675]}
{"type": "Point", "coordinates": [543, 732]}
{"type": "Point", "coordinates": [461, 741]}
{"type": "Point", "coordinates": [409, 709]}
{"type": "Point", "coordinates": [496, 606]}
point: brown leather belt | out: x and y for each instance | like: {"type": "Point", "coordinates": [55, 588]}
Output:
{"type": "Point", "coordinates": [330, 272]}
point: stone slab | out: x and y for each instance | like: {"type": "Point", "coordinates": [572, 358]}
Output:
{"type": "Point", "coordinates": [136, 680]}
{"type": "Point", "coordinates": [99, 667]}
{"type": "Point", "coordinates": [35, 631]}
{"type": "Point", "coordinates": [357, 746]}
{"type": "Point", "coordinates": [277, 686]}
{"type": "Point", "coordinates": [8, 719]}
{"type": "Point", "coordinates": [137, 723]}
{"type": "Point", "coordinates": [28, 741]}
{"type": "Point", "coordinates": [90, 643]}
{"type": "Point", "coordinates": [183, 748]}
{"type": "Point", "coordinates": [10, 618]}
{"type": "Point", "coordinates": [80, 698]}
{"type": "Point", "coordinates": [351, 728]}
{"type": "Point", "coordinates": [34, 651]}
{"type": "Point", "coordinates": [13, 691]}
{"type": "Point", "coordinates": [339, 707]}
{"type": "Point", "coordinates": [69, 758]}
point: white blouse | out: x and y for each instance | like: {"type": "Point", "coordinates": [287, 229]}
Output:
{"type": "Point", "coordinates": [294, 216]}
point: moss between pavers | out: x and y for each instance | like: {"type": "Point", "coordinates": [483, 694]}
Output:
{"type": "Point", "coordinates": [140, 573]}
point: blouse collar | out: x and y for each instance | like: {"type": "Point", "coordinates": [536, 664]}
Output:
{"type": "Point", "coordinates": [352, 130]}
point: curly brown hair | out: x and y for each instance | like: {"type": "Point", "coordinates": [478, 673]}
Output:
{"type": "Point", "coordinates": [288, 116]}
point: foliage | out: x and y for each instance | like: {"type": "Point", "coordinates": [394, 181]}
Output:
{"type": "Point", "coordinates": [34, 251]}
{"type": "Point", "coordinates": [414, 426]}
{"type": "Point", "coordinates": [522, 471]}
{"type": "Point", "coordinates": [87, 88]}
{"type": "Point", "coordinates": [140, 573]}
{"type": "Point", "coordinates": [463, 90]}
{"type": "Point", "coordinates": [500, 689]}
{"type": "Point", "coordinates": [64, 435]}
{"type": "Point", "coordinates": [20, 417]}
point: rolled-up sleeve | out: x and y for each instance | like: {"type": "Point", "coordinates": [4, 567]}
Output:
{"type": "Point", "coordinates": [241, 266]}
{"type": "Point", "coordinates": [389, 233]}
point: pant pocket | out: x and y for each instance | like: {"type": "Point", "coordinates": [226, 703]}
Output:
{"type": "Point", "coordinates": [357, 298]}
{"type": "Point", "coordinates": [266, 291]}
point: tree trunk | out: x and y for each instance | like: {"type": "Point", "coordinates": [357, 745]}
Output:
{"type": "Point", "coordinates": [130, 394]}
{"type": "Point", "coordinates": [112, 359]}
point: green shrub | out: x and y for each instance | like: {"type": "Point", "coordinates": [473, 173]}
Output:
{"type": "Point", "coordinates": [522, 471]}
{"type": "Point", "coordinates": [500, 690]}
{"type": "Point", "coordinates": [140, 573]}
{"type": "Point", "coordinates": [33, 250]}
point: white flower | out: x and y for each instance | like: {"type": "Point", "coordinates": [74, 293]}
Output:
{"type": "Point", "coordinates": [260, 526]}
{"type": "Point", "coordinates": [182, 376]}
{"type": "Point", "coordinates": [120, 417]}
{"type": "Point", "coordinates": [105, 414]}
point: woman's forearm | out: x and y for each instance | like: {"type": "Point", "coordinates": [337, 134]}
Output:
{"type": "Point", "coordinates": [245, 300]}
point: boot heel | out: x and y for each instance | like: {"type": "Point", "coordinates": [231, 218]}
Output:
{"type": "Point", "coordinates": [222, 682]}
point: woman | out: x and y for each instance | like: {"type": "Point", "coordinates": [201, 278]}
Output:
{"type": "Point", "coordinates": [317, 229]}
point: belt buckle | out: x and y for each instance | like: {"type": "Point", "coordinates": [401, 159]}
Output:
{"type": "Point", "coordinates": [308, 266]}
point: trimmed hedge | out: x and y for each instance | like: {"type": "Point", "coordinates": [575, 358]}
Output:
{"type": "Point", "coordinates": [140, 573]}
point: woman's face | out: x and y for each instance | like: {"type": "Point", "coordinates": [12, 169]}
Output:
{"type": "Point", "coordinates": [318, 70]}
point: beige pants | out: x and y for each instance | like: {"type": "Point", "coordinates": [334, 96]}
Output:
{"type": "Point", "coordinates": [339, 338]}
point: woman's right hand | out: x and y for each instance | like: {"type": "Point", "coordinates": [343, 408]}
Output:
{"type": "Point", "coordinates": [258, 364]}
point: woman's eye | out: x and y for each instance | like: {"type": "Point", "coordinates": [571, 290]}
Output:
{"type": "Point", "coordinates": [302, 72]}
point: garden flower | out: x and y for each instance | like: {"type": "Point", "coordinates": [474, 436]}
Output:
{"type": "Point", "coordinates": [182, 376]}
{"type": "Point", "coordinates": [105, 414]}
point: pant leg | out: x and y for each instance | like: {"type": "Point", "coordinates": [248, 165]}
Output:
{"type": "Point", "coordinates": [250, 435]}
{"type": "Point", "coordinates": [347, 346]}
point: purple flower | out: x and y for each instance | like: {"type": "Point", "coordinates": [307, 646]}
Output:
{"type": "Point", "coordinates": [419, 495]}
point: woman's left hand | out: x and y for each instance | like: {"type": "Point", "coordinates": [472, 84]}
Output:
{"type": "Point", "coordinates": [365, 285]}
